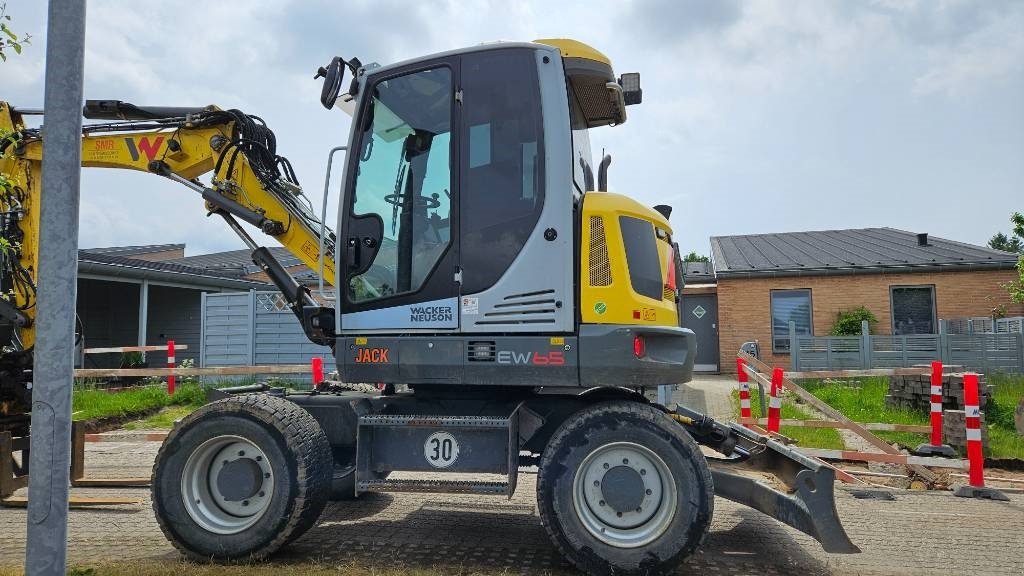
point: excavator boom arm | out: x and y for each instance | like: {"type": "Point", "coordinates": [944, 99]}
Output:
{"type": "Point", "coordinates": [248, 182]}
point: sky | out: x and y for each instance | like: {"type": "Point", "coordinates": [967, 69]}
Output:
{"type": "Point", "coordinates": [760, 116]}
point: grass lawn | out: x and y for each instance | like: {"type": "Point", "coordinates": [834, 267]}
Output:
{"type": "Point", "coordinates": [865, 402]}
{"type": "Point", "coordinates": [165, 418]}
{"type": "Point", "coordinates": [1004, 442]}
{"type": "Point", "coordinates": [806, 437]}
{"type": "Point", "coordinates": [92, 403]}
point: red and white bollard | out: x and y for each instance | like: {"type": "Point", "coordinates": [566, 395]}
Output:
{"type": "Point", "coordinates": [936, 447]}
{"type": "Point", "coordinates": [972, 418]}
{"type": "Point", "coordinates": [318, 371]}
{"type": "Point", "coordinates": [171, 363]}
{"type": "Point", "coordinates": [775, 403]}
{"type": "Point", "coordinates": [744, 380]}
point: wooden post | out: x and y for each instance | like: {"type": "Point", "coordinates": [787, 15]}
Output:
{"type": "Point", "coordinates": [865, 344]}
{"type": "Point", "coordinates": [7, 483]}
{"type": "Point", "coordinates": [77, 452]}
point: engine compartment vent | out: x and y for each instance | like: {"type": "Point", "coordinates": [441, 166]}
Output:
{"type": "Point", "coordinates": [600, 267]}
{"type": "Point", "coordinates": [481, 351]}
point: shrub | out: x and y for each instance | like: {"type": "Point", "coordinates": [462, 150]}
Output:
{"type": "Point", "coordinates": [848, 322]}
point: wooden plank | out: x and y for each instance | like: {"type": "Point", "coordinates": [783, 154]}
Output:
{"type": "Point", "coordinates": [875, 474]}
{"type": "Point", "coordinates": [116, 349]}
{"type": "Point", "coordinates": [992, 479]}
{"type": "Point", "coordinates": [853, 456]}
{"type": "Point", "coordinates": [917, 429]}
{"type": "Point", "coordinates": [217, 371]}
{"type": "Point", "coordinates": [831, 412]}
{"type": "Point", "coordinates": [110, 482]}
{"type": "Point", "coordinates": [820, 374]}
{"type": "Point", "coordinates": [75, 501]}
{"type": "Point", "coordinates": [77, 451]}
{"type": "Point", "coordinates": [127, 437]}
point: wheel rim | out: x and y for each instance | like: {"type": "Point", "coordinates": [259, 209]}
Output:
{"type": "Point", "coordinates": [227, 484]}
{"type": "Point", "coordinates": [624, 495]}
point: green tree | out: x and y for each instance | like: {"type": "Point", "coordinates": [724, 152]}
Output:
{"type": "Point", "coordinates": [694, 257]}
{"type": "Point", "coordinates": [10, 40]}
{"type": "Point", "coordinates": [1006, 243]}
{"type": "Point", "coordinates": [1016, 288]}
{"type": "Point", "coordinates": [848, 323]}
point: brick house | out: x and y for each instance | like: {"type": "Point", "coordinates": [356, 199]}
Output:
{"type": "Point", "coordinates": [909, 281]}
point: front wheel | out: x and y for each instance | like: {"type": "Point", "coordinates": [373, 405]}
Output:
{"type": "Point", "coordinates": [623, 489]}
{"type": "Point", "coordinates": [241, 477]}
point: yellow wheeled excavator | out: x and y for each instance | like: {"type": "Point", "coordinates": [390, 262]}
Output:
{"type": "Point", "coordinates": [525, 308]}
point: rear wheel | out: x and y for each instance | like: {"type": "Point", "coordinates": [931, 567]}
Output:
{"type": "Point", "coordinates": [622, 489]}
{"type": "Point", "coordinates": [241, 477]}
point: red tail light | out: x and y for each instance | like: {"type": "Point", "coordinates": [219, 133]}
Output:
{"type": "Point", "coordinates": [670, 281]}
{"type": "Point", "coordinates": [639, 346]}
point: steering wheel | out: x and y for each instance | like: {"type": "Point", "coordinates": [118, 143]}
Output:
{"type": "Point", "coordinates": [430, 203]}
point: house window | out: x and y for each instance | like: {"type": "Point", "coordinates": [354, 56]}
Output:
{"type": "Point", "coordinates": [913, 310]}
{"type": "Point", "coordinates": [789, 306]}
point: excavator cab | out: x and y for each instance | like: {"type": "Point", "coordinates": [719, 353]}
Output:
{"type": "Point", "coordinates": [468, 196]}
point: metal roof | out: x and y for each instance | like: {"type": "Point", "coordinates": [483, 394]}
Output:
{"type": "Point", "coordinates": [237, 261]}
{"type": "Point", "coordinates": [118, 266]}
{"type": "Point", "coordinates": [135, 250]}
{"type": "Point", "coordinates": [853, 251]}
{"type": "Point", "coordinates": [698, 273]}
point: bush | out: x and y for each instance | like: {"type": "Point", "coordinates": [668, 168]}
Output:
{"type": "Point", "coordinates": [848, 323]}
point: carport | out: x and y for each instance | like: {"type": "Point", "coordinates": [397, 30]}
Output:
{"type": "Point", "coordinates": [125, 301]}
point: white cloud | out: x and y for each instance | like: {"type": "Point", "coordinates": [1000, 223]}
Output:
{"type": "Point", "coordinates": [887, 109]}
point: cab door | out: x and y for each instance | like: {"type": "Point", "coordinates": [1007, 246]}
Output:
{"type": "Point", "coordinates": [399, 225]}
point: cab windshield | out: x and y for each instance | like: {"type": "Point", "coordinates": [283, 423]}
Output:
{"type": "Point", "coordinates": [404, 177]}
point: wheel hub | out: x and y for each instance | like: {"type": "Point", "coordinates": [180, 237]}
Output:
{"type": "Point", "coordinates": [624, 494]}
{"type": "Point", "coordinates": [623, 489]}
{"type": "Point", "coordinates": [227, 484]}
{"type": "Point", "coordinates": [240, 479]}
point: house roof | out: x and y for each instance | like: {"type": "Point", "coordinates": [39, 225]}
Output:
{"type": "Point", "coordinates": [853, 251]}
{"type": "Point", "coordinates": [698, 273]}
{"type": "Point", "coordinates": [112, 266]}
{"type": "Point", "coordinates": [238, 262]}
{"type": "Point", "coordinates": [135, 250]}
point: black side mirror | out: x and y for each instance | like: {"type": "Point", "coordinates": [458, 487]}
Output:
{"type": "Point", "coordinates": [631, 92]}
{"type": "Point", "coordinates": [332, 75]}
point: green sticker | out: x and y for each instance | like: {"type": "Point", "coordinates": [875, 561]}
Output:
{"type": "Point", "coordinates": [600, 308]}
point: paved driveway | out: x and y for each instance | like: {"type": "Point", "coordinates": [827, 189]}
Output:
{"type": "Point", "coordinates": [917, 533]}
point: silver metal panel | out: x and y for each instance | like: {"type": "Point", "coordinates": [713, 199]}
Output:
{"type": "Point", "coordinates": [542, 266]}
{"type": "Point", "coordinates": [436, 314]}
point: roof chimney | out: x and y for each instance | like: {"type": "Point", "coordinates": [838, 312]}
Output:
{"type": "Point", "coordinates": [922, 239]}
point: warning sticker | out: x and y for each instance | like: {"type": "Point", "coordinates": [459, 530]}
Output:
{"type": "Point", "coordinates": [699, 311]}
{"type": "Point", "coordinates": [470, 305]}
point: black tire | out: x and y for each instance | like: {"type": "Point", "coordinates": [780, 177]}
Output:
{"type": "Point", "coordinates": [297, 451]}
{"type": "Point", "coordinates": [635, 424]}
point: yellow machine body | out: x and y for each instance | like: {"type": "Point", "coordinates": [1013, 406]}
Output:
{"type": "Point", "coordinates": [607, 295]}
{"type": "Point", "coordinates": [192, 156]}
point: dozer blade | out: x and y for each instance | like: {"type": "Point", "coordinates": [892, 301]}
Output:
{"type": "Point", "coordinates": [803, 493]}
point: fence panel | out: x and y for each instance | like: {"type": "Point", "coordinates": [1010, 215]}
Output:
{"type": "Point", "coordinates": [986, 353]}
{"type": "Point", "coordinates": [255, 329]}
{"type": "Point", "coordinates": [829, 352]}
{"type": "Point", "coordinates": [227, 328]}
